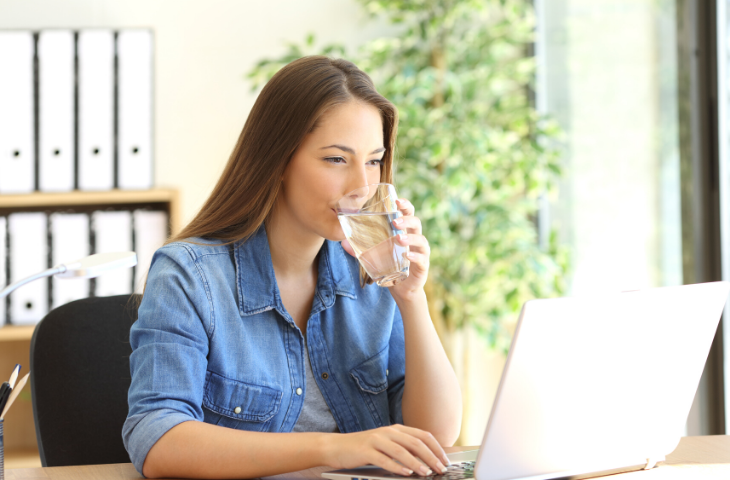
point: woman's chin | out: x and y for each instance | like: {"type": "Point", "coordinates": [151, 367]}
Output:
{"type": "Point", "coordinates": [337, 238]}
{"type": "Point", "coordinates": [335, 234]}
{"type": "Point", "coordinates": [334, 231]}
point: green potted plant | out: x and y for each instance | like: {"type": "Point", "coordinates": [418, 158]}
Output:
{"type": "Point", "coordinates": [473, 154]}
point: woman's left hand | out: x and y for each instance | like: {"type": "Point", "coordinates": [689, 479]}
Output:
{"type": "Point", "coordinates": [419, 251]}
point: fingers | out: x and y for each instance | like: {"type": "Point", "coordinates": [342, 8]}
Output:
{"type": "Point", "coordinates": [384, 461]}
{"type": "Point", "coordinates": [418, 252]}
{"type": "Point", "coordinates": [428, 440]}
{"type": "Point", "coordinates": [347, 247]}
{"type": "Point", "coordinates": [411, 224]}
{"type": "Point", "coordinates": [405, 207]}
{"type": "Point", "coordinates": [417, 243]}
{"type": "Point", "coordinates": [416, 447]}
{"type": "Point", "coordinates": [406, 455]}
{"type": "Point", "coordinates": [399, 449]}
{"type": "Point", "coordinates": [405, 459]}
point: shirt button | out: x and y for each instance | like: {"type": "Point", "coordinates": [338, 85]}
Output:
{"type": "Point", "coordinates": [237, 410]}
{"type": "Point", "coordinates": [299, 391]}
{"type": "Point", "coordinates": [325, 375]}
{"type": "Point", "coordinates": [386, 373]}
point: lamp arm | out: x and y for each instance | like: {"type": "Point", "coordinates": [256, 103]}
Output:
{"type": "Point", "coordinates": [47, 273]}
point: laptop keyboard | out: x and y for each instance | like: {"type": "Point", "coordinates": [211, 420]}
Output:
{"type": "Point", "coordinates": [455, 471]}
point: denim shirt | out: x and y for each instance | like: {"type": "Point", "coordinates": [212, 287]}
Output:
{"type": "Point", "coordinates": [214, 343]}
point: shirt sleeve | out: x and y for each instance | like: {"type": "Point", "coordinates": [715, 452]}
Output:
{"type": "Point", "coordinates": [169, 343]}
{"type": "Point", "coordinates": [396, 368]}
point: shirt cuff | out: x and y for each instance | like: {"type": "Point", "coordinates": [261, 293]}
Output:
{"type": "Point", "coordinates": [143, 430]}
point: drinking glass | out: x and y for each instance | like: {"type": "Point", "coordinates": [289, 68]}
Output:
{"type": "Point", "coordinates": [366, 216]}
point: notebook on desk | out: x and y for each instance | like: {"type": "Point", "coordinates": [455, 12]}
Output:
{"type": "Point", "coordinates": [592, 386]}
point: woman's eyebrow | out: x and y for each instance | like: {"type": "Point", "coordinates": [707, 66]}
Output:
{"type": "Point", "coordinates": [352, 151]}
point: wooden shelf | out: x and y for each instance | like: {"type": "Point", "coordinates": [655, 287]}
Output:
{"type": "Point", "coordinates": [22, 458]}
{"type": "Point", "coordinates": [112, 197]}
{"type": "Point", "coordinates": [42, 199]}
{"type": "Point", "coordinates": [12, 333]}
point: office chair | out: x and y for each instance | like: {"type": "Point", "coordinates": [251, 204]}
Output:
{"type": "Point", "coordinates": [79, 359]}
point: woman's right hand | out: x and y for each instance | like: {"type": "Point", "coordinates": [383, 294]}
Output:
{"type": "Point", "coordinates": [383, 446]}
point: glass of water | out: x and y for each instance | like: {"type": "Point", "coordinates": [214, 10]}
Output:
{"type": "Point", "coordinates": [366, 216]}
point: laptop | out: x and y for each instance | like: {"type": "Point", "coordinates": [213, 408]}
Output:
{"type": "Point", "coordinates": [592, 386]}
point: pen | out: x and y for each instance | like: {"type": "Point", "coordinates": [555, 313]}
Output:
{"type": "Point", "coordinates": [4, 393]}
{"type": "Point", "coordinates": [7, 387]}
{"type": "Point", "coordinates": [14, 375]}
{"type": "Point", "coordinates": [14, 395]}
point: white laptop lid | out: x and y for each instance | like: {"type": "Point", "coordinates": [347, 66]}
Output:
{"type": "Point", "coordinates": [599, 383]}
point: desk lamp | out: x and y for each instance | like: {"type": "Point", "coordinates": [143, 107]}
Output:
{"type": "Point", "coordinates": [88, 267]}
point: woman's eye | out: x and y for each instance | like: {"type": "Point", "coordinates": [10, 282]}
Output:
{"type": "Point", "coordinates": [334, 159]}
{"type": "Point", "coordinates": [376, 162]}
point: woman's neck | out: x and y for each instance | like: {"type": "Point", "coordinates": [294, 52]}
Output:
{"type": "Point", "coordinates": [293, 250]}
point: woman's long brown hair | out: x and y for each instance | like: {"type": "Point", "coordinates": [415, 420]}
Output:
{"type": "Point", "coordinates": [287, 109]}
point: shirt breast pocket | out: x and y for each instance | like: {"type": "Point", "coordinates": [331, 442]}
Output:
{"type": "Point", "coordinates": [372, 381]}
{"type": "Point", "coordinates": [240, 405]}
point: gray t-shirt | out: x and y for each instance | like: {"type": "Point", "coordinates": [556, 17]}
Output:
{"type": "Point", "coordinates": [316, 415]}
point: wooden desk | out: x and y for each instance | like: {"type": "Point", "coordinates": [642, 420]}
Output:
{"type": "Point", "coordinates": [694, 458]}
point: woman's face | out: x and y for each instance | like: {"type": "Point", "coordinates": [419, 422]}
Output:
{"type": "Point", "coordinates": [343, 153]}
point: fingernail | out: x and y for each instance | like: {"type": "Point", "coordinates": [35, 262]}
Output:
{"type": "Point", "coordinates": [425, 470]}
{"type": "Point", "coordinates": [398, 221]}
{"type": "Point", "coordinates": [411, 255]}
{"type": "Point", "coordinates": [447, 461]}
{"type": "Point", "coordinates": [441, 468]}
{"type": "Point", "coordinates": [405, 471]}
{"type": "Point", "coordinates": [403, 237]}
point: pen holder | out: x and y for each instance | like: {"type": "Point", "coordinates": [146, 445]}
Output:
{"type": "Point", "coordinates": [2, 452]}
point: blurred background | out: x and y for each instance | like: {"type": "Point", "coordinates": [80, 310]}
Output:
{"type": "Point", "coordinates": [552, 147]}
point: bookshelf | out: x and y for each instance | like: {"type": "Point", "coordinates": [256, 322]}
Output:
{"type": "Point", "coordinates": [21, 448]}
{"type": "Point", "coordinates": [167, 198]}
{"type": "Point", "coordinates": [13, 333]}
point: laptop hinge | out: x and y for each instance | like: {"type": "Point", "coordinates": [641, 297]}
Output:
{"type": "Point", "coordinates": [652, 461]}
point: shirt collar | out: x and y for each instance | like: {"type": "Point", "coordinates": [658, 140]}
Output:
{"type": "Point", "coordinates": [257, 288]}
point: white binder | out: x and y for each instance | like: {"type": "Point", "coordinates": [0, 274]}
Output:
{"type": "Point", "coordinates": [3, 259]}
{"type": "Point", "coordinates": [56, 110]}
{"type": "Point", "coordinates": [17, 146]}
{"type": "Point", "coordinates": [134, 52]}
{"type": "Point", "coordinates": [113, 233]}
{"type": "Point", "coordinates": [28, 255]}
{"type": "Point", "coordinates": [96, 109]}
{"type": "Point", "coordinates": [150, 233]}
{"type": "Point", "coordinates": [69, 242]}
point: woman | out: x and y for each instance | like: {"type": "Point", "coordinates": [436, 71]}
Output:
{"type": "Point", "coordinates": [257, 350]}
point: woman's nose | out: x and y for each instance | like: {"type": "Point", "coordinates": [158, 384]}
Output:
{"type": "Point", "coordinates": [358, 179]}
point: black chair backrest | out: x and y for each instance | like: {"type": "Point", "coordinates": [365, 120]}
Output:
{"type": "Point", "coordinates": [79, 359]}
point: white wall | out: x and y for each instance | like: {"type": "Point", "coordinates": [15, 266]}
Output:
{"type": "Point", "coordinates": [204, 49]}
